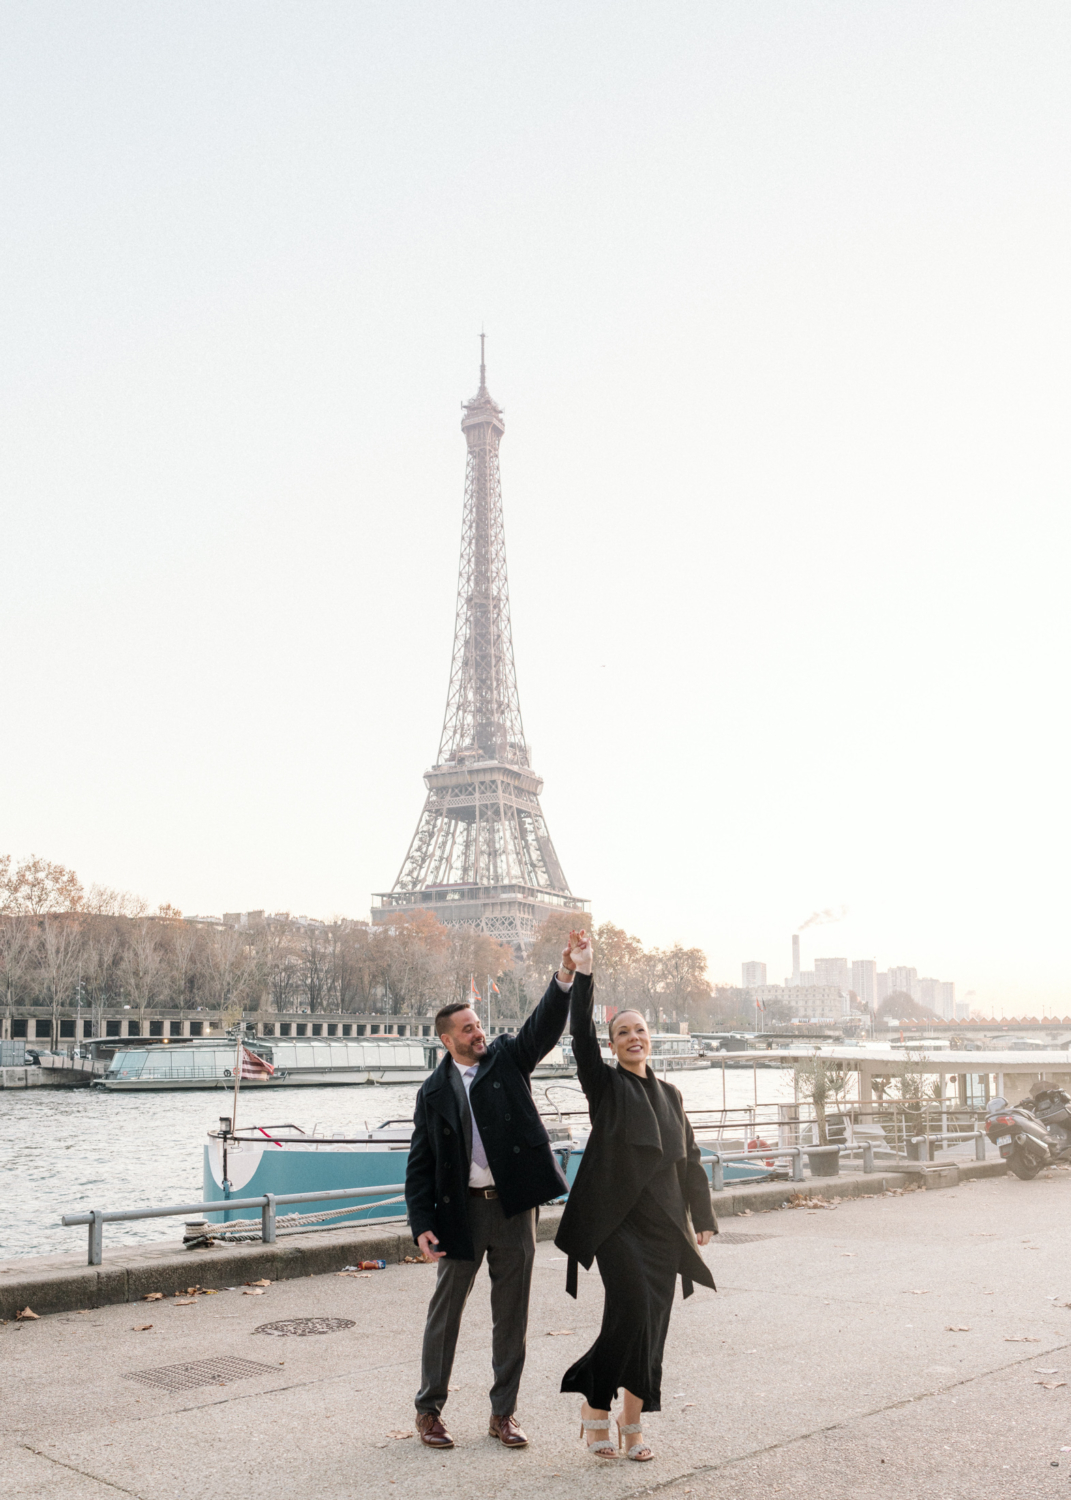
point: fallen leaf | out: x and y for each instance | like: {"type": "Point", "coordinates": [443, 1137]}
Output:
{"type": "Point", "coordinates": [957, 1328]}
{"type": "Point", "coordinates": [185, 1301]}
{"type": "Point", "coordinates": [262, 1282]}
{"type": "Point", "coordinates": [153, 1297]}
{"type": "Point", "coordinates": [253, 1291]}
{"type": "Point", "coordinates": [846, 1254]}
{"type": "Point", "coordinates": [745, 1213]}
{"type": "Point", "coordinates": [142, 1327]}
{"type": "Point", "coordinates": [1046, 1372]}
{"type": "Point", "coordinates": [1008, 1339]}
{"type": "Point", "coordinates": [27, 1314]}
{"type": "Point", "coordinates": [356, 1275]}
{"type": "Point", "coordinates": [1051, 1385]}
{"type": "Point", "coordinates": [559, 1333]}
{"type": "Point", "coordinates": [399, 1434]}
{"type": "Point", "coordinates": [916, 1294]}
{"type": "Point", "coordinates": [686, 1405]}
{"type": "Point", "coordinates": [211, 1291]}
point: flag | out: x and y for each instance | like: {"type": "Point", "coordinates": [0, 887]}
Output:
{"type": "Point", "coordinates": [494, 987]}
{"type": "Point", "coordinates": [254, 1066]}
{"type": "Point", "coordinates": [759, 1004]}
{"type": "Point", "coordinates": [473, 991]}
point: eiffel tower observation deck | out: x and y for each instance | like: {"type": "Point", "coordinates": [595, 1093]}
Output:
{"type": "Point", "coordinates": [481, 855]}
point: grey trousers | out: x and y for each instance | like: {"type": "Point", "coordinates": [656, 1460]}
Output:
{"type": "Point", "coordinates": [509, 1245]}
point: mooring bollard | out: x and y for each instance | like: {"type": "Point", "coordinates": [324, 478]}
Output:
{"type": "Point", "coordinates": [267, 1219]}
{"type": "Point", "coordinates": [979, 1146]}
{"type": "Point", "coordinates": [868, 1156]}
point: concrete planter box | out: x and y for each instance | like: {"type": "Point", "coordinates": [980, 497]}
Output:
{"type": "Point", "coordinates": [824, 1161]}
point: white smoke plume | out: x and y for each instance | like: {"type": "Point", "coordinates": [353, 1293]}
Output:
{"type": "Point", "coordinates": [823, 918]}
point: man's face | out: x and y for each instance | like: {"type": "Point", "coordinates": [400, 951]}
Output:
{"type": "Point", "coordinates": [465, 1040]}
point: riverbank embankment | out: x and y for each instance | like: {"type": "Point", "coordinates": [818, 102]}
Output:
{"type": "Point", "coordinates": [877, 1348]}
{"type": "Point", "coordinates": [65, 1283]}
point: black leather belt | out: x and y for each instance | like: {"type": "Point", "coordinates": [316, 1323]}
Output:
{"type": "Point", "coordinates": [483, 1192]}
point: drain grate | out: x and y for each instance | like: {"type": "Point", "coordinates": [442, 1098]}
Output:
{"type": "Point", "coordinates": [740, 1239]}
{"type": "Point", "coordinates": [200, 1372]}
{"type": "Point", "coordinates": [302, 1327]}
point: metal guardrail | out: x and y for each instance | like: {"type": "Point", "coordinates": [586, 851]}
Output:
{"type": "Point", "coordinates": [977, 1136]}
{"type": "Point", "coordinates": [97, 1218]}
{"type": "Point", "coordinates": [764, 1153]}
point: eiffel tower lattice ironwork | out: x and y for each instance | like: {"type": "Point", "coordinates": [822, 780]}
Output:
{"type": "Point", "coordinates": [481, 854]}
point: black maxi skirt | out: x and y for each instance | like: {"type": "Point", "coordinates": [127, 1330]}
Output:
{"type": "Point", "coordinates": [639, 1264]}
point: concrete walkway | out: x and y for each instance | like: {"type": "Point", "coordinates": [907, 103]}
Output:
{"type": "Point", "coordinates": [890, 1346]}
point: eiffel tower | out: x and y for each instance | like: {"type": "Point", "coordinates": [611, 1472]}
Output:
{"type": "Point", "coordinates": [481, 855]}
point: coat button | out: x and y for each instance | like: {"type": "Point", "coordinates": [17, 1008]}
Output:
{"type": "Point", "coordinates": [497, 1084]}
{"type": "Point", "coordinates": [446, 1130]}
{"type": "Point", "coordinates": [446, 1197]}
{"type": "Point", "coordinates": [516, 1150]}
{"type": "Point", "coordinates": [506, 1117]}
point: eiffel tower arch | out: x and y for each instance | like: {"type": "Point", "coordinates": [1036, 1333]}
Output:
{"type": "Point", "coordinates": [481, 855]}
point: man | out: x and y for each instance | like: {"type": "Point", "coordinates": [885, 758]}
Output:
{"type": "Point", "coordinates": [480, 1163]}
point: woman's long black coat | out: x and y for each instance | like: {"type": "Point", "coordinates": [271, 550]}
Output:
{"type": "Point", "coordinates": [623, 1152]}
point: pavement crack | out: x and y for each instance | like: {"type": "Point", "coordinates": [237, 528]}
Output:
{"type": "Point", "coordinates": [802, 1437]}
{"type": "Point", "coordinates": [74, 1469]}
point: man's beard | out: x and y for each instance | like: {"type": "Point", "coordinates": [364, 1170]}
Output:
{"type": "Point", "coordinates": [467, 1052]}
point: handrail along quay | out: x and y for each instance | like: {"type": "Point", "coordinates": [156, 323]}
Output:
{"type": "Point", "coordinates": [97, 1218]}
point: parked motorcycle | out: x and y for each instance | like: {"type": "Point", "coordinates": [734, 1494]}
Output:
{"type": "Point", "coordinates": [1033, 1133]}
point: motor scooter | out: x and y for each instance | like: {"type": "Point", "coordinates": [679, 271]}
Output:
{"type": "Point", "coordinates": [1033, 1133]}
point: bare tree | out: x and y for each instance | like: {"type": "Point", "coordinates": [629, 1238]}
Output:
{"type": "Point", "coordinates": [59, 945]}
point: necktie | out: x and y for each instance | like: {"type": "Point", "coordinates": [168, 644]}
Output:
{"type": "Point", "coordinates": [479, 1155]}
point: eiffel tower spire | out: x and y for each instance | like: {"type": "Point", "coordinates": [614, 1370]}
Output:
{"type": "Point", "coordinates": [481, 854]}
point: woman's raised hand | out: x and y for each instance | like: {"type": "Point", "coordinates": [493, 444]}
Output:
{"type": "Point", "coordinates": [580, 954]}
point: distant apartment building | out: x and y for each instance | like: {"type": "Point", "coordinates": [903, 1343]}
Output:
{"type": "Point", "coordinates": [754, 974]}
{"type": "Point", "coordinates": [938, 995]}
{"type": "Point", "coordinates": [948, 1007]}
{"type": "Point", "coordinates": [806, 1000]}
{"type": "Point", "coordinates": [832, 971]}
{"type": "Point", "coordinates": [865, 981]}
{"type": "Point", "coordinates": [905, 981]}
{"type": "Point", "coordinates": [882, 985]}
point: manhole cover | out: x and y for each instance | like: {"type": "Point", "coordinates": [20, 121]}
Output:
{"type": "Point", "coordinates": [200, 1372]}
{"type": "Point", "coordinates": [739, 1239]}
{"type": "Point", "coordinates": [301, 1327]}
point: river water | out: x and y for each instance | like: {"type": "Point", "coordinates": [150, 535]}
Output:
{"type": "Point", "coordinates": [68, 1150]}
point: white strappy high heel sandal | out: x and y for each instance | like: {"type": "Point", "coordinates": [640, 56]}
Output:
{"type": "Point", "coordinates": [639, 1452]}
{"type": "Point", "coordinates": [604, 1448]}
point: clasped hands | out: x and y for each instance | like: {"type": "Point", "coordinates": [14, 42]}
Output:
{"type": "Point", "coordinates": [576, 955]}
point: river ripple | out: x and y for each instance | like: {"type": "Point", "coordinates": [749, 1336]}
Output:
{"type": "Point", "coordinates": [65, 1151]}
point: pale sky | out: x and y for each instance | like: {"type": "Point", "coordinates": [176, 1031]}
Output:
{"type": "Point", "coordinates": [778, 308]}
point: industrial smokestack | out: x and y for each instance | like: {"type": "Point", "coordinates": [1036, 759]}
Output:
{"type": "Point", "coordinates": [795, 958]}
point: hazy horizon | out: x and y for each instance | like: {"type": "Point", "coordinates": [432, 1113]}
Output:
{"type": "Point", "coordinates": [777, 309]}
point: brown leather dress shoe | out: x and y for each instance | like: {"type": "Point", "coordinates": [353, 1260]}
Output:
{"type": "Point", "coordinates": [431, 1431]}
{"type": "Point", "coordinates": [507, 1432]}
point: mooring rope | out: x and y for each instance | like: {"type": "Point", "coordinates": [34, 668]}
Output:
{"type": "Point", "coordinates": [252, 1229]}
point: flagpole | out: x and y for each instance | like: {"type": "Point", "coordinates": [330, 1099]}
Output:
{"type": "Point", "coordinates": [237, 1080]}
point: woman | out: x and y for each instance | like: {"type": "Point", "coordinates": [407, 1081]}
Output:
{"type": "Point", "coordinates": [639, 1192]}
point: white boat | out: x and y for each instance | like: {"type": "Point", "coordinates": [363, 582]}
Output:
{"type": "Point", "coordinates": [299, 1063]}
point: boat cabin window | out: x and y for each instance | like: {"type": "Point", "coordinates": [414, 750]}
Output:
{"type": "Point", "coordinates": [128, 1064]}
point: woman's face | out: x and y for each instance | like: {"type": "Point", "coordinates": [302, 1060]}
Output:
{"type": "Point", "coordinates": [630, 1041]}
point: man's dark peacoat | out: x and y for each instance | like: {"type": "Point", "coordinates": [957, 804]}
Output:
{"type": "Point", "coordinates": [514, 1137]}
